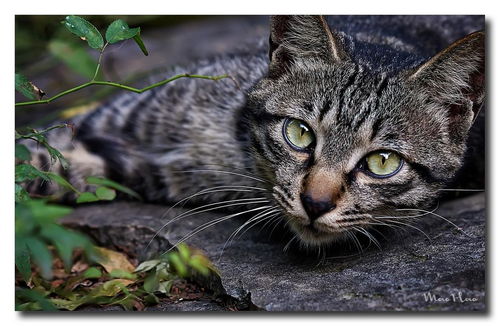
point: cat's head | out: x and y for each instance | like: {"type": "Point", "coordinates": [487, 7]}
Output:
{"type": "Point", "coordinates": [345, 147]}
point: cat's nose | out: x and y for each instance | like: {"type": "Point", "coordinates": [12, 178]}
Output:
{"type": "Point", "coordinates": [321, 192]}
{"type": "Point", "coordinates": [316, 208]}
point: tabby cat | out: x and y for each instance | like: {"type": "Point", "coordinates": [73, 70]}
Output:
{"type": "Point", "coordinates": [331, 132]}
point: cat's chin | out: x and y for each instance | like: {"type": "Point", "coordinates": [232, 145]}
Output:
{"type": "Point", "coordinates": [314, 237]}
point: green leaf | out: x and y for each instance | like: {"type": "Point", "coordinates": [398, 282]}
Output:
{"type": "Point", "coordinates": [151, 282]}
{"type": "Point", "coordinates": [147, 265]}
{"type": "Point", "coordinates": [45, 213]}
{"type": "Point", "coordinates": [40, 255]}
{"type": "Point", "coordinates": [151, 299]}
{"type": "Point", "coordinates": [120, 273]}
{"type": "Point", "coordinates": [119, 31]}
{"type": "Point", "coordinates": [141, 45]}
{"type": "Point", "coordinates": [86, 197]}
{"type": "Point", "coordinates": [56, 155]}
{"type": "Point", "coordinates": [108, 183]}
{"type": "Point", "coordinates": [28, 306]}
{"type": "Point", "coordinates": [165, 287]}
{"type": "Point", "coordinates": [25, 172]}
{"type": "Point", "coordinates": [199, 264]}
{"type": "Point", "coordinates": [27, 88]}
{"type": "Point", "coordinates": [25, 223]}
{"type": "Point", "coordinates": [21, 194]}
{"type": "Point", "coordinates": [22, 257]}
{"type": "Point", "coordinates": [65, 241]}
{"type": "Point", "coordinates": [74, 56]}
{"type": "Point", "coordinates": [105, 193]}
{"type": "Point", "coordinates": [22, 152]}
{"type": "Point", "coordinates": [184, 252]}
{"type": "Point", "coordinates": [67, 304]}
{"type": "Point", "coordinates": [129, 302]}
{"type": "Point", "coordinates": [85, 30]}
{"type": "Point", "coordinates": [177, 263]}
{"type": "Point", "coordinates": [101, 295]}
{"type": "Point", "coordinates": [33, 296]}
{"type": "Point", "coordinates": [110, 288]}
{"type": "Point", "coordinates": [61, 181]}
{"type": "Point", "coordinates": [92, 272]}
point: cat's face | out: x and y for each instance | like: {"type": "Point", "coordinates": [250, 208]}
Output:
{"type": "Point", "coordinates": [346, 148]}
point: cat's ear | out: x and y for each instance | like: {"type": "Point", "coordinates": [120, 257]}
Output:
{"type": "Point", "coordinates": [454, 79]}
{"type": "Point", "coordinates": [296, 38]}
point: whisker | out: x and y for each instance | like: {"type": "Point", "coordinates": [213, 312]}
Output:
{"type": "Point", "coordinates": [213, 190]}
{"type": "Point", "coordinates": [201, 209]}
{"type": "Point", "coordinates": [214, 222]}
{"type": "Point", "coordinates": [246, 169]}
{"type": "Point", "coordinates": [225, 172]}
{"type": "Point", "coordinates": [260, 217]}
{"type": "Point", "coordinates": [255, 217]}
{"type": "Point", "coordinates": [355, 240]}
{"type": "Point", "coordinates": [271, 220]}
{"type": "Point", "coordinates": [216, 206]}
{"type": "Point", "coordinates": [381, 234]}
{"type": "Point", "coordinates": [370, 237]}
{"type": "Point", "coordinates": [390, 226]}
{"type": "Point", "coordinates": [277, 220]}
{"type": "Point", "coordinates": [408, 216]}
{"type": "Point", "coordinates": [287, 245]}
{"type": "Point", "coordinates": [411, 226]}
{"type": "Point", "coordinates": [436, 215]}
{"type": "Point", "coordinates": [471, 190]}
{"type": "Point", "coordinates": [320, 256]}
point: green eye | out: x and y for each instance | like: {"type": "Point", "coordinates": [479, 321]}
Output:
{"type": "Point", "coordinates": [383, 163]}
{"type": "Point", "coordinates": [298, 134]}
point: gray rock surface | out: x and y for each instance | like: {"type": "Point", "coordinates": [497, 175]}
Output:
{"type": "Point", "coordinates": [444, 271]}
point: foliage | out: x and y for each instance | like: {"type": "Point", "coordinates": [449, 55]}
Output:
{"type": "Point", "coordinates": [36, 229]}
{"type": "Point", "coordinates": [117, 31]}
{"type": "Point", "coordinates": [114, 281]}
{"type": "Point", "coordinates": [59, 268]}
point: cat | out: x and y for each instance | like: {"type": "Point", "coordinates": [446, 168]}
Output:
{"type": "Point", "coordinates": [331, 132]}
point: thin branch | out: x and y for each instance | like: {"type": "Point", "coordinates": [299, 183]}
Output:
{"type": "Point", "coordinates": [117, 85]}
{"type": "Point", "coordinates": [38, 132]}
{"type": "Point", "coordinates": [101, 52]}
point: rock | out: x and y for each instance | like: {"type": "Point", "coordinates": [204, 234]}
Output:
{"type": "Point", "coordinates": [444, 272]}
{"type": "Point", "coordinates": [199, 305]}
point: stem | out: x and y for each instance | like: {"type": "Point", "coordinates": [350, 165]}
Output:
{"type": "Point", "coordinates": [99, 61]}
{"type": "Point", "coordinates": [117, 85]}
{"type": "Point", "coordinates": [37, 132]}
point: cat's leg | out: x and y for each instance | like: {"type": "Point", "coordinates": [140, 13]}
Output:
{"type": "Point", "coordinates": [81, 164]}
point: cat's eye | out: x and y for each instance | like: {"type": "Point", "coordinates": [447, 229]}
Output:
{"type": "Point", "coordinates": [298, 134]}
{"type": "Point", "coordinates": [383, 164]}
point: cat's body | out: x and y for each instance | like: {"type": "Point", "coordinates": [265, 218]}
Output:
{"type": "Point", "coordinates": [354, 92]}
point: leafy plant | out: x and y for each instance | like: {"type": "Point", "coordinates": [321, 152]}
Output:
{"type": "Point", "coordinates": [36, 228]}
{"type": "Point", "coordinates": [117, 31]}
{"type": "Point", "coordinates": [48, 256]}
{"type": "Point", "coordinates": [116, 282]}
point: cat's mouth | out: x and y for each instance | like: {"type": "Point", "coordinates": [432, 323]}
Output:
{"type": "Point", "coordinates": [313, 235]}
{"type": "Point", "coordinates": [321, 233]}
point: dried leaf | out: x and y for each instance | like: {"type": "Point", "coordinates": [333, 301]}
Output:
{"type": "Point", "coordinates": [112, 260]}
{"type": "Point", "coordinates": [27, 88]}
